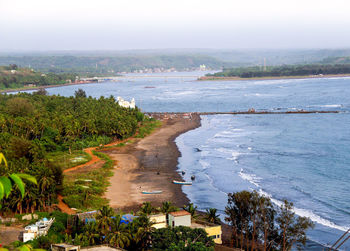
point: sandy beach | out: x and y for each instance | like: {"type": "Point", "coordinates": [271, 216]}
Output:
{"type": "Point", "coordinates": [150, 164]}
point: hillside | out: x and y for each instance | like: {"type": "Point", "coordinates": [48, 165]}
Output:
{"type": "Point", "coordinates": [336, 60]}
{"type": "Point", "coordinates": [14, 77]}
{"type": "Point", "coordinates": [97, 64]}
{"type": "Point", "coordinates": [37, 129]}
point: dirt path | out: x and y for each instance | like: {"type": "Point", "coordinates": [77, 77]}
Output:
{"type": "Point", "coordinates": [94, 159]}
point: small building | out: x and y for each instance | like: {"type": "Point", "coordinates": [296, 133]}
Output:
{"type": "Point", "coordinates": [40, 228]}
{"type": "Point", "coordinates": [179, 218]}
{"type": "Point", "coordinates": [183, 218]}
{"type": "Point", "coordinates": [213, 230]}
{"type": "Point", "coordinates": [158, 220]}
{"type": "Point", "coordinates": [64, 247]}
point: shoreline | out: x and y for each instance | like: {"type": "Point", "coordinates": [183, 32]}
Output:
{"type": "Point", "coordinates": [43, 87]}
{"type": "Point", "coordinates": [213, 78]}
{"type": "Point", "coordinates": [150, 164]}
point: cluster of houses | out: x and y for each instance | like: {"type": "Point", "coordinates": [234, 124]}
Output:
{"type": "Point", "coordinates": [173, 219]}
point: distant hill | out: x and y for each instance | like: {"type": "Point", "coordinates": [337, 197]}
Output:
{"type": "Point", "coordinates": [92, 63]}
{"type": "Point", "coordinates": [112, 64]}
{"type": "Point", "coordinates": [12, 77]}
{"type": "Point", "coordinates": [336, 60]}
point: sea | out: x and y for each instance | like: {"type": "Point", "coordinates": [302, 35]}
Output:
{"type": "Point", "coordinates": [304, 158]}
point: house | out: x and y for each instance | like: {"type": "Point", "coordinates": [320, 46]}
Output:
{"type": "Point", "coordinates": [159, 220]}
{"type": "Point", "coordinates": [40, 228]}
{"type": "Point", "coordinates": [179, 218]}
{"type": "Point", "coordinates": [183, 218]}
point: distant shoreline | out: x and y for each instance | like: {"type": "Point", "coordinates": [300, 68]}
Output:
{"type": "Point", "coordinates": [213, 78]}
{"type": "Point", "coordinates": [43, 87]}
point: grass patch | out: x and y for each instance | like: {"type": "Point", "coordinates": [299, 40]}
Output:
{"type": "Point", "coordinates": [84, 191]}
{"type": "Point", "coordinates": [147, 127]}
{"type": "Point", "coordinates": [66, 160]}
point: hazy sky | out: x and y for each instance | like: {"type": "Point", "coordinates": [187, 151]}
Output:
{"type": "Point", "coordinates": [151, 24]}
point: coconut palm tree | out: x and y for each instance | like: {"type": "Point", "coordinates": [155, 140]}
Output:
{"type": "Point", "coordinates": [147, 208]}
{"type": "Point", "coordinates": [104, 220]}
{"type": "Point", "coordinates": [168, 207]}
{"type": "Point", "coordinates": [211, 216]}
{"type": "Point", "coordinates": [191, 209]}
{"type": "Point", "coordinates": [119, 235]}
{"type": "Point", "coordinates": [144, 229]}
{"type": "Point", "coordinates": [91, 233]}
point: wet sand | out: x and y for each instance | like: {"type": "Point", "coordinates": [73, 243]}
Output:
{"type": "Point", "coordinates": [150, 164]}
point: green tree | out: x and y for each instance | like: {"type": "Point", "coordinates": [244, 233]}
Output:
{"type": "Point", "coordinates": [104, 219]}
{"type": "Point", "coordinates": [119, 235]}
{"type": "Point", "coordinates": [191, 209]}
{"type": "Point", "coordinates": [80, 93]}
{"type": "Point", "coordinates": [211, 216]}
{"type": "Point", "coordinates": [292, 228]}
{"type": "Point", "coordinates": [147, 208]}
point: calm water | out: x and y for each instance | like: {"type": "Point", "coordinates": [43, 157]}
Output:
{"type": "Point", "coordinates": [303, 158]}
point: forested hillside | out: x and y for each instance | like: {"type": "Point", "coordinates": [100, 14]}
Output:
{"type": "Point", "coordinates": [14, 77]}
{"type": "Point", "coordinates": [34, 125]}
{"type": "Point", "coordinates": [94, 65]}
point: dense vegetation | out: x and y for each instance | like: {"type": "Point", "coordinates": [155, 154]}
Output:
{"type": "Point", "coordinates": [108, 227]}
{"type": "Point", "coordinates": [13, 77]}
{"type": "Point", "coordinates": [286, 70]}
{"type": "Point", "coordinates": [95, 65]}
{"type": "Point", "coordinates": [33, 126]}
{"type": "Point", "coordinates": [257, 224]}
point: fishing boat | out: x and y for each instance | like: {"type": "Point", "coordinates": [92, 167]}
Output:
{"type": "Point", "coordinates": [152, 192]}
{"type": "Point", "coordinates": [182, 182]}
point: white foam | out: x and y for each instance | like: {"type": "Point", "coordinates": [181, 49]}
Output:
{"type": "Point", "coordinates": [328, 106]}
{"type": "Point", "coordinates": [204, 164]}
{"type": "Point", "coordinates": [331, 106]}
{"type": "Point", "coordinates": [224, 134]}
{"type": "Point", "coordinates": [307, 213]}
{"type": "Point", "coordinates": [251, 178]}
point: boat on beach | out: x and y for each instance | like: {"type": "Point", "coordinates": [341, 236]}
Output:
{"type": "Point", "coordinates": [152, 192]}
{"type": "Point", "coordinates": [182, 182]}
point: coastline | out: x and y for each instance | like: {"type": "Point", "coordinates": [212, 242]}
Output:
{"type": "Point", "coordinates": [213, 78]}
{"type": "Point", "coordinates": [149, 164]}
{"type": "Point", "coordinates": [43, 87]}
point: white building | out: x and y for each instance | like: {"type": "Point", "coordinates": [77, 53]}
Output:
{"type": "Point", "coordinates": [126, 104]}
{"type": "Point", "coordinates": [40, 228]}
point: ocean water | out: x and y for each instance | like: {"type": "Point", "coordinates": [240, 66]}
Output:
{"type": "Point", "coordinates": [304, 158]}
{"type": "Point", "coordinates": [183, 94]}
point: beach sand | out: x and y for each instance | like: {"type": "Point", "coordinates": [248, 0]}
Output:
{"type": "Point", "coordinates": [150, 164]}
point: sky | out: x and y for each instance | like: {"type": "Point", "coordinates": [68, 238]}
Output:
{"type": "Point", "coordinates": [158, 24]}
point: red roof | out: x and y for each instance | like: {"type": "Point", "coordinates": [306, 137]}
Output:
{"type": "Point", "coordinates": [179, 213]}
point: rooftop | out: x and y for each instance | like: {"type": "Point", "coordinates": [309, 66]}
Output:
{"type": "Point", "coordinates": [179, 213]}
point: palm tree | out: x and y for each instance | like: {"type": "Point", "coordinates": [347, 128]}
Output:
{"type": "Point", "coordinates": [191, 209]}
{"type": "Point", "coordinates": [144, 229]}
{"type": "Point", "coordinates": [119, 235]}
{"type": "Point", "coordinates": [147, 208]}
{"type": "Point", "coordinates": [91, 232]}
{"type": "Point", "coordinates": [104, 220]}
{"type": "Point", "coordinates": [211, 216]}
{"type": "Point", "coordinates": [7, 182]}
{"type": "Point", "coordinates": [168, 207]}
